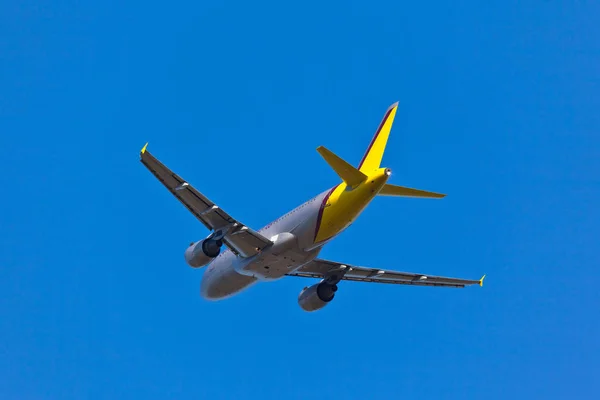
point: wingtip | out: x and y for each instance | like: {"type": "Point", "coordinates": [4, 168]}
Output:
{"type": "Point", "coordinates": [322, 150]}
{"type": "Point", "coordinates": [144, 148]}
{"type": "Point", "coordinates": [481, 281]}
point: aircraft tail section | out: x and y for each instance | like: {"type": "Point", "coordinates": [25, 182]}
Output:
{"type": "Point", "coordinates": [372, 158]}
{"type": "Point", "coordinates": [347, 172]}
{"type": "Point", "coordinates": [370, 165]}
{"type": "Point", "coordinates": [401, 191]}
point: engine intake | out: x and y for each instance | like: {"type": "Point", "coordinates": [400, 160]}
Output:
{"type": "Point", "coordinates": [317, 296]}
{"type": "Point", "coordinates": [201, 253]}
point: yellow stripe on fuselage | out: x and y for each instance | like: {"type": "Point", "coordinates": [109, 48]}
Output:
{"type": "Point", "coordinates": [344, 205]}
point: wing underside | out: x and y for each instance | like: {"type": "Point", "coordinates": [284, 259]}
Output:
{"type": "Point", "coordinates": [238, 237]}
{"type": "Point", "coordinates": [324, 269]}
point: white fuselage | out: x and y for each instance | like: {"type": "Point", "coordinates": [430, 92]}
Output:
{"type": "Point", "coordinates": [293, 235]}
{"type": "Point", "coordinates": [297, 238]}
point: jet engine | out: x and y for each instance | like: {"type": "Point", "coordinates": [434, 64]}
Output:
{"type": "Point", "coordinates": [201, 253]}
{"type": "Point", "coordinates": [317, 296]}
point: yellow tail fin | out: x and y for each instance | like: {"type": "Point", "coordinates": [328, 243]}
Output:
{"type": "Point", "coordinates": [372, 158]}
{"type": "Point", "coordinates": [347, 172]}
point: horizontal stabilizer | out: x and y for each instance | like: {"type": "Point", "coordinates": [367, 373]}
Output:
{"type": "Point", "coordinates": [347, 172]}
{"type": "Point", "coordinates": [401, 191]}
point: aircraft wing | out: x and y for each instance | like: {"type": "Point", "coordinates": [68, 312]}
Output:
{"type": "Point", "coordinates": [332, 270]}
{"type": "Point", "coordinates": [242, 240]}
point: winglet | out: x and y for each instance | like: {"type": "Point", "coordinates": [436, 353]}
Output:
{"type": "Point", "coordinates": [481, 280]}
{"type": "Point", "coordinates": [144, 148]}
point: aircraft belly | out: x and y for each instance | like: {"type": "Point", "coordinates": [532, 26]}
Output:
{"type": "Point", "coordinates": [285, 257]}
{"type": "Point", "coordinates": [276, 267]}
{"type": "Point", "coordinates": [228, 274]}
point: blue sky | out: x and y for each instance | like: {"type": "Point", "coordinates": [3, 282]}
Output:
{"type": "Point", "coordinates": [498, 108]}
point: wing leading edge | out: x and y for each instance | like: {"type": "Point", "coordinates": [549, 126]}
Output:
{"type": "Point", "coordinates": [322, 269]}
{"type": "Point", "coordinates": [238, 237]}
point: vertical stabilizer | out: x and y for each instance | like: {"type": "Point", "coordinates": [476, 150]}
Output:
{"type": "Point", "coordinates": [372, 158]}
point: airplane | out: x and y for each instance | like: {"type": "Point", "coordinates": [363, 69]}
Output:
{"type": "Point", "coordinates": [289, 246]}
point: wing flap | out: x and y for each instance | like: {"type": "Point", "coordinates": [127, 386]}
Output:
{"type": "Point", "coordinates": [194, 201]}
{"type": "Point", "coordinates": [246, 242]}
{"type": "Point", "coordinates": [239, 238]}
{"type": "Point", "coordinates": [320, 268]}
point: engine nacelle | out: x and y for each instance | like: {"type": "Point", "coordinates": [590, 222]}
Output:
{"type": "Point", "coordinates": [317, 296]}
{"type": "Point", "coordinates": [201, 253]}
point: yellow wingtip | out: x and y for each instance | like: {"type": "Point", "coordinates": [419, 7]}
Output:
{"type": "Point", "coordinates": [144, 148]}
{"type": "Point", "coordinates": [481, 280]}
